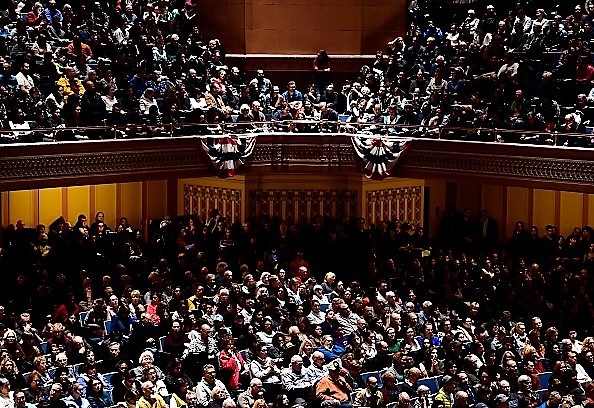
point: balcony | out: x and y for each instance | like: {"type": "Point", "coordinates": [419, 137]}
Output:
{"type": "Point", "coordinates": [26, 166]}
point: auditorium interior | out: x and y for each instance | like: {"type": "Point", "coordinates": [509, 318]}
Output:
{"type": "Point", "coordinates": [291, 177]}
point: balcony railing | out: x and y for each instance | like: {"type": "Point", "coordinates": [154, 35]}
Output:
{"type": "Point", "coordinates": [177, 151]}
{"type": "Point", "coordinates": [141, 131]}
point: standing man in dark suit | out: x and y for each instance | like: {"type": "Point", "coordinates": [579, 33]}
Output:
{"type": "Point", "coordinates": [488, 231]}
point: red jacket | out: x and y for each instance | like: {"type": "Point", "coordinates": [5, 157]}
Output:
{"type": "Point", "coordinates": [232, 362]}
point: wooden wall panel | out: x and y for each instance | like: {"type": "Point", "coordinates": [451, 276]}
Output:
{"type": "Point", "coordinates": [590, 210]}
{"type": "Point", "coordinates": [131, 203]}
{"type": "Point", "coordinates": [437, 204]}
{"type": "Point", "coordinates": [79, 202]}
{"type": "Point", "coordinates": [381, 22]}
{"type": "Point", "coordinates": [50, 205]}
{"type": "Point", "coordinates": [224, 19]}
{"type": "Point", "coordinates": [157, 199]}
{"type": "Point", "coordinates": [543, 209]}
{"type": "Point", "coordinates": [517, 208]}
{"type": "Point", "coordinates": [492, 201]}
{"type": "Point", "coordinates": [468, 196]}
{"type": "Point", "coordinates": [295, 206]}
{"type": "Point", "coordinates": [21, 207]}
{"type": "Point", "coordinates": [571, 212]}
{"type": "Point", "coordinates": [302, 26]}
{"type": "Point", "coordinates": [105, 201]}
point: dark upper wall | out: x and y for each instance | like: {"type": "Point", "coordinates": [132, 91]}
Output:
{"type": "Point", "coordinates": [303, 26]}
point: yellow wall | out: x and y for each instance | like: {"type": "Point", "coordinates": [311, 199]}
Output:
{"type": "Point", "coordinates": [517, 209]}
{"type": "Point", "coordinates": [157, 199]}
{"type": "Point", "coordinates": [105, 201]}
{"type": "Point", "coordinates": [79, 202]}
{"type": "Point", "coordinates": [51, 208]}
{"type": "Point", "coordinates": [437, 205]}
{"type": "Point", "coordinates": [21, 206]}
{"type": "Point", "coordinates": [131, 202]}
{"type": "Point", "coordinates": [543, 207]}
{"type": "Point", "coordinates": [492, 201]}
{"type": "Point", "coordinates": [467, 195]}
{"type": "Point", "coordinates": [115, 200]}
{"type": "Point", "coordinates": [145, 200]}
{"type": "Point", "coordinates": [571, 211]}
{"type": "Point", "coordinates": [508, 205]}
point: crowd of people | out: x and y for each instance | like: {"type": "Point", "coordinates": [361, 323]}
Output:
{"type": "Point", "coordinates": [507, 71]}
{"type": "Point", "coordinates": [205, 313]}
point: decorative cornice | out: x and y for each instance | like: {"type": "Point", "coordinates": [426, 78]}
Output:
{"type": "Point", "coordinates": [519, 167]}
{"type": "Point", "coordinates": [90, 164]}
{"type": "Point", "coordinates": [63, 164]}
{"type": "Point", "coordinates": [54, 165]}
{"type": "Point", "coordinates": [303, 153]}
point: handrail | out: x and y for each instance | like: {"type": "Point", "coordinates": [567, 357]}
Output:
{"type": "Point", "coordinates": [365, 129]}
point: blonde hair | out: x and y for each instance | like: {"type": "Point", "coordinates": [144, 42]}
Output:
{"type": "Point", "coordinates": [215, 391]}
{"type": "Point", "coordinates": [258, 402]}
{"type": "Point", "coordinates": [528, 349]}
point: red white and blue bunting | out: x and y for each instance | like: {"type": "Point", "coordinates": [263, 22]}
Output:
{"type": "Point", "coordinates": [227, 153]}
{"type": "Point", "coordinates": [379, 154]}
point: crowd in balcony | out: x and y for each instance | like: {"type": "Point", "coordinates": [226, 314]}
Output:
{"type": "Point", "coordinates": [260, 314]}
{"type": "Point", "coordinates": [473, 70]}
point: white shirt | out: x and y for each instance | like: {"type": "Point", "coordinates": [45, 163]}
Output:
{"type": "Point", "coordinates": [25, 81]}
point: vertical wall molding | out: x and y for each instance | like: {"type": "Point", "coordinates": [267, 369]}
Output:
{"type": "Point", "coordinates": [585, 208]}
{"type": "Point", "coordinates": [35, 200]}
{"type": "Point", "coordinates": [144, 198]}
{"type": "Point", "coordinates": [557, 208]}
{"type": "Point", "coordinates": [93, 202]}
{"type": "Point", "coordinates": [64, 202]}
{"type": "Point", "coordinates": [530, 206]}
{"type": "Point", "coordinates": [171, 204]}
{"type": "Point", "coordinates": [118, 203]}
{"type": "Point", "coordinates": [503, 221]}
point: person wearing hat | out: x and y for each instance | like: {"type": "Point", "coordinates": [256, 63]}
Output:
{"type": "Point", "coordinates": [446, 392]}
{"type": "Point", "coordinates": [318, 294]}
{"type": "Point", "coordinates": [333, 388]}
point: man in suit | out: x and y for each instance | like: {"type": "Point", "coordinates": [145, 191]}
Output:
{"type": "Point", "coordinates": [488, 231]}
